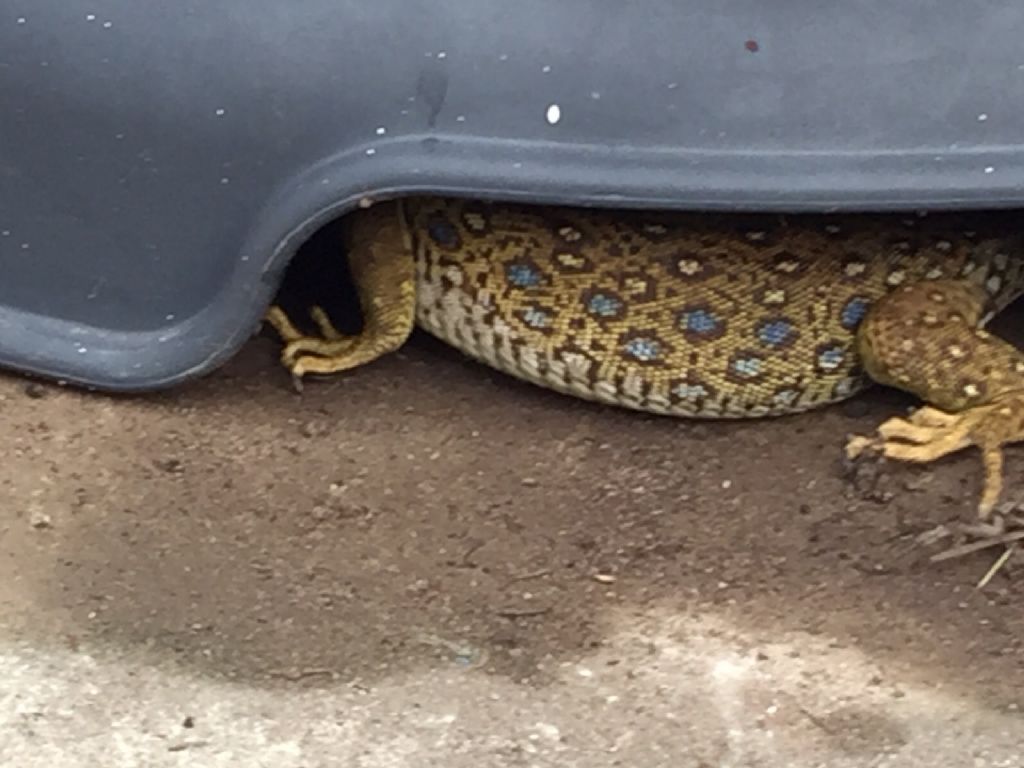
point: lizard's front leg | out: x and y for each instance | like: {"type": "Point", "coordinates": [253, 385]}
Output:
{"type": "Point", "coordinates": [925, 339]}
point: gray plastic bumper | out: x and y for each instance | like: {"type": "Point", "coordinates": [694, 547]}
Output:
{"type": "Point", "coordinates": [161, 161]}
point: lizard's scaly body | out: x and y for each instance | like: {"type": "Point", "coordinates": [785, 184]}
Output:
{"type": "Point", "coordinates": [716, 316]}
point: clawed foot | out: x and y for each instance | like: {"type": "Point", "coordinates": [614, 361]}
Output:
{"type": "Point", "coordinates": [385, 329]}
{"type": "Point", "coordinates": [929, 434]}
{"type": "Point", "coordinates": [304, 354]}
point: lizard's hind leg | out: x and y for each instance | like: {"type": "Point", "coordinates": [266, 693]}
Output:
{"type": "Point", "coordinates": [382, 266]}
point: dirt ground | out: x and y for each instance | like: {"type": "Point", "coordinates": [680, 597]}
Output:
{"type": "Point", "coordinates": [429, 563]}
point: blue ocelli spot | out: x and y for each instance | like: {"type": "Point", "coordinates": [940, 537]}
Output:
{"type": "Point", "coordinates": [830, 358]}
{"type": "Point", "coordinates": [853, 312]}
{"type": "Point", "coordinates": [699, 321]}
{"type": "Point", "coordinates": [603, 305]}
{"type": "Point", "coordinates": [537, 318]}
{"type": "Point", "coordinates": [522, 275]}
{"type": "Point", "coordinates": [748, 367]}
{"type": "Point", "coordinates": [643, 349]}
{"type": "Point", "coordinates": [775, 333]}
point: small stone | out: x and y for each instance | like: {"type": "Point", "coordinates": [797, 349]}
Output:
{"type": "Point", "coordinates": [40, 520]}
{"type": "Point", "coordinates": [35, 391]}
{"type": "Point", "coordinates": [189, 722]}
{"type": "Point", "coordinates": [530, 482]}
{"type": "Point", "coordinates": [419, 587]}
{"type": "Point", "coordinates": [171, 466]}
{"type": "Point", "coordinates": [919, 483]}
{"type": "Point", "coordinates": [312, 429]}
{"type": "Point", "coordinates": [320, 513]}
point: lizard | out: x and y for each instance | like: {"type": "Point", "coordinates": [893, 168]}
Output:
{"type": "Point", "coordinates": [700, 315]}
